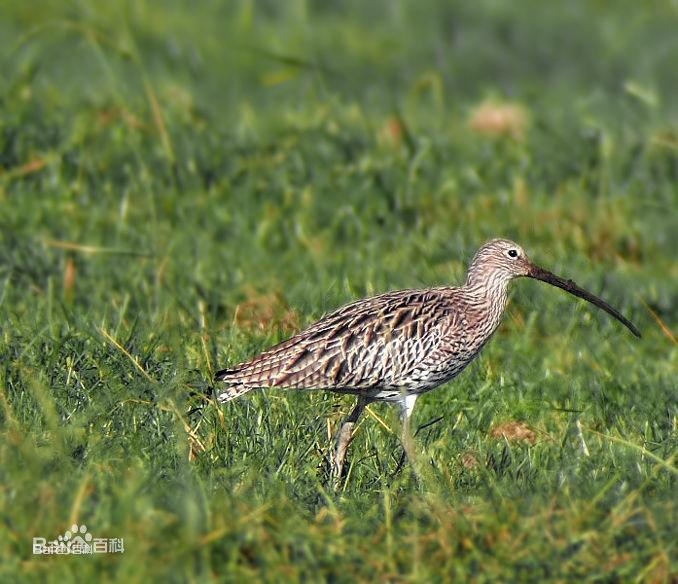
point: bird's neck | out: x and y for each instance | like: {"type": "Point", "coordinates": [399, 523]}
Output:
{"type": "Point", "coordinates": [491, 287]}
{"type": "Point", "coordinates": [490, 297]}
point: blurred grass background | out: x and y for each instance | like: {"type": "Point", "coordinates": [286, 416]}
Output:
{"type": "Point", "coordinates": [183, 185]}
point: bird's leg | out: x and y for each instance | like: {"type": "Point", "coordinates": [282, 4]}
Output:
{"type": "Point", "coordinates": [344, 439]}
{"type": "Point", "coordinates": [406, 408]}
{"type": "Point", "coordinates": [410, 452]}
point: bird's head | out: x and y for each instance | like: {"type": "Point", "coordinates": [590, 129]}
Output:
{"type": "Point", "coordinates": [498, 261]}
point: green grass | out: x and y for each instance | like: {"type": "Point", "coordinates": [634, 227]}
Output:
{"type": "Point", "coordinates": [182, 187]}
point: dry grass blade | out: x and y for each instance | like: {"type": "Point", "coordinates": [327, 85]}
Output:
{"type": "Point", "coordinates": [125, 352]}
{"type": "Point", "coordinates": [662, 325]}
{"type": "Point", "coordinates": [90, 249]}
{"type": "Point", "coordinates": [664, 463]}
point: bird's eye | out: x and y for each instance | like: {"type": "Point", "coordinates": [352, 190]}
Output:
{"type": "Point", "coordinates": [513, 253]}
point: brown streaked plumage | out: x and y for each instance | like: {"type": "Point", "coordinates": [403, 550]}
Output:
{"type": "Point", "coordinates": [398, 345]}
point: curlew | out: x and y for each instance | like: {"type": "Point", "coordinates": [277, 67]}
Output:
{"type": "Point", "coordinates": [395, 346]}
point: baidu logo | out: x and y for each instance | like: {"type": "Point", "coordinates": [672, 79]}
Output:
{"type": "Point", "coordinates": [77, 541]}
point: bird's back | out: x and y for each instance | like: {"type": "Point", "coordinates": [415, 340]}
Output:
{"type": "Point", "coordinates": [410, 340]}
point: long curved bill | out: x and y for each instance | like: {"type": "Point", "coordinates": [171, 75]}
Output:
{"type": "Point", "coordinates": [569, 286]}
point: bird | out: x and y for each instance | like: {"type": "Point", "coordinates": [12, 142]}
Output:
{"type": "Point", "coordinates": [395, 346]}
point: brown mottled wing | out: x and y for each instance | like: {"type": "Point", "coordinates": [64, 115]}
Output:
{"type": "Point", "coordinates": [384, 342]}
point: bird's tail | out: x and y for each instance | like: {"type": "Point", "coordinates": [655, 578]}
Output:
{"type": "Point", "coordinates": [231, 386]}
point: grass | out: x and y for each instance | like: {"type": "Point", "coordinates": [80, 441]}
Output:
{"type": "Point", "coordinates": [181, 188]}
